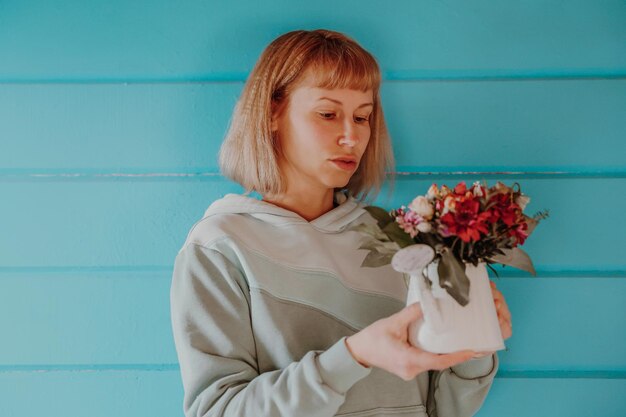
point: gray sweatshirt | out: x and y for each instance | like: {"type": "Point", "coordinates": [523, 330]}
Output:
{"type": "Point", "coordinates": [261, 303]}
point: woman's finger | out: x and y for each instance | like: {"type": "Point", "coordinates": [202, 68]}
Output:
{"type": "Point", "coordinates": [501, 306]}
{"type": "Point", "coordinates": [505, 328]}
{"type": "Point", "coordinates": [409, 314]}
{"type": "Point", "coordinates": [483, 354]}
{"type": "Point", "coordinates": [436, 361]}
{"type": "Point", "coordinates": [504, 308]}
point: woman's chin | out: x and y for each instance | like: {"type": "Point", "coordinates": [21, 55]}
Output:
{"type": "Point", "coordinates": [339, 182]}
{"type": "Point", "coordinates": [335, 179]}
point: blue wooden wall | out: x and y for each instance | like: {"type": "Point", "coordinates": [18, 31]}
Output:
{"type": "Point", "coordinates": [111, 115]}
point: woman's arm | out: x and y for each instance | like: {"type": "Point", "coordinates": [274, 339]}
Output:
{"type": "Point", "coordinates": [212, 331]}
{"type": "Point", "coordinates": [460, 390]}
{"type": "Point", "coordinates": [457, 385]}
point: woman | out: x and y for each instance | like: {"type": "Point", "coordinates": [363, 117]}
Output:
{"type": "Point", "coordinates": [272, 314]}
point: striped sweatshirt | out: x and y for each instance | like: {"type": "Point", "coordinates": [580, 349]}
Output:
{"type": "Point", "coordinates": [261, 303]}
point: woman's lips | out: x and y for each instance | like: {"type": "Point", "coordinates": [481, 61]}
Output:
{"type": "Point", "coordinates": [345, 165]}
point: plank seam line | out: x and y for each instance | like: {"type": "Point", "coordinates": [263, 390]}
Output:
{"type": "Point", "coordinates": [399, 175]}
{"type": "Point", "coordinates": [551, 272]}
{"type": "Point", "coordinates": [387, 76]}
{"type": "Point", "coordinates": [502, 373]}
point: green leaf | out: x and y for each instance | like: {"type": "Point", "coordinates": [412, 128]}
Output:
{"type": "Point", "coordinates": [516, 258]}
{"type": "Point", "coordinates": [375, 259]}
{"type": "Point", "coordinates": [383, 247]}
{"type": "Point", "coordinates": [398, 235]}
{"type": "Point", "coordinates": [380, 245]}
{"type": "Point", "coordinates": [371, 230]}
{"type": "Point", "coordinates": [452, 277]}
{"type": "Point", "coordinates": [493, 269]}
{"type": "Point", "coordinates": [381, 215]}
{"type": "Point", "coordinates": [370, 245]}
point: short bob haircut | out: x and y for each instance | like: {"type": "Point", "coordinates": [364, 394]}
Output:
{"type": "Point", "coordinates": [250, 152]}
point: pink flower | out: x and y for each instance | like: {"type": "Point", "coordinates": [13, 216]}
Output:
{"type": "Point", "coordinates": [408, 221]}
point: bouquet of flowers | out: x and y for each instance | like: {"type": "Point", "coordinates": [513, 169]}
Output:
{"type": "Point", "coordinates": [462, 225]}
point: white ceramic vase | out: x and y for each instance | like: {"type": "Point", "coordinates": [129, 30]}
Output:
{"type": "Point", "coordinates": [447, 326]}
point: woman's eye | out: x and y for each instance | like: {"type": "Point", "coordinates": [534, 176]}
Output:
{"type": "Point", "coordinates": [327, 115]}
{"type": "Point", "coordinates": [362, 119]}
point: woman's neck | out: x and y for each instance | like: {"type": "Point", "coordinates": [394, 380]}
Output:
{"type": "Point", "coordinates": [307, 205]}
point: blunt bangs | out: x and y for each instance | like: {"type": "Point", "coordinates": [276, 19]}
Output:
{"type": "Point", "coordinates": [335, 66]}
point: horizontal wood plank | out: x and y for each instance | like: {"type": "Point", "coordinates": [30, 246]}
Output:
{"type": "Point", "coordinates": [160, 394]}
{"type": "Point", "coordinates": [144, 40]}
{"type": "Point", "coordinates": [101, 320]}
{"type": "Point", "coordinates": [129, 224]}
{"type": "Point", "coordinates": [549, 126]}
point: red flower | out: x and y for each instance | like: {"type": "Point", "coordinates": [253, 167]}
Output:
{"type": "Point", "coordinates": [465, 222]}
{"type": "Point", "coordinates": [519, 232]}
{"type": "Point", "coordinates": [460, 188]}
{"type": "Point", "coordinates": [503, 209]}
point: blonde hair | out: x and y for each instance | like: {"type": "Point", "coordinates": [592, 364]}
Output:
{"type": "Point", "coordinates": [250, 152]}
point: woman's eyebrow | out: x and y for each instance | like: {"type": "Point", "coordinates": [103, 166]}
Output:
{"type": "Point", "coordinates": [339, 102]}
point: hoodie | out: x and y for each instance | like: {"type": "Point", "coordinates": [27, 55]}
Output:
{"type": "Point", "coordinates": [261, 303]}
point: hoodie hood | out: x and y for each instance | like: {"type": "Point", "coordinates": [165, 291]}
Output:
{"type": "Point", "coordinates": [335, 220]}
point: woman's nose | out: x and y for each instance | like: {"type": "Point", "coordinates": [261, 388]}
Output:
{"type": "Point", "coordinates": [350, 135]}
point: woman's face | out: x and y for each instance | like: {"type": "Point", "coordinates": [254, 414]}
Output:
{"type": "Point", "coordinates": [323, 134]}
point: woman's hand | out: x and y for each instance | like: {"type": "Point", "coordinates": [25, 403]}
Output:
{"type": "Point", "coordinates": [504, 316]}
{"type": "Point", "coordinates": [384, 344]}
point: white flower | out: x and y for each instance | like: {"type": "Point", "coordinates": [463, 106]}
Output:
{"type": "Point", "coordinates": [478, 192]}
{"type": "Point", "coordinates": [433, 192]}
{"type": "Point", "coordinates": [422, 207]}
{"type": "Point", "coordinates": [522, 201]}
{"type": "Point", "coordinates": [424, 227]}
{"type": "Point", "coordinates": [449, 204]}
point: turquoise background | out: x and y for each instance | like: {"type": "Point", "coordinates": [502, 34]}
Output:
{"type": "Point", "coordinates": [111, 115]}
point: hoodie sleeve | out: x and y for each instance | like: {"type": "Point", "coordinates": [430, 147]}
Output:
{"type": "Point", "coordinates": [212, 331]}
{"type": "Point", "coordinates": [460, 391]}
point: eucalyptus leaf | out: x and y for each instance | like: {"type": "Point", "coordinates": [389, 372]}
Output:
{"type": "Point", "coordinates": [532, 223]}
{"type": "Point", "coordinates": [381, 215]}
{"type": "Point", "coordinates": [374, 259]}
{"type": "Point", "coordinates": [516, 258]}
{"type": "Point", "coordinates": [389, 246]}
{"type": "Point", "coordinates": [452, 277]}
{"type": "Point", "coordinates": [370, 245]}
{"type": "Point", "coordinates": [398, 235]}
{"type": "Point", "coordinates": [371, 230]}
{"type": "Point", "coordinates": [383, 247]}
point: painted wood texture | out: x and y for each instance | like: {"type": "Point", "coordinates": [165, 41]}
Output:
{"type": "Point", "coordinates": [117, 319]}
{"type": "Point", "coordinates": [111, 115]}
{"type": "Point", "coordinates": [570, 126]}
{"type": "Point", "coordinates": [144, 40]}
{"type": "Point", "coordinates": [148, 394]}
{"type": "Point", "coordinates": [143, 222]}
